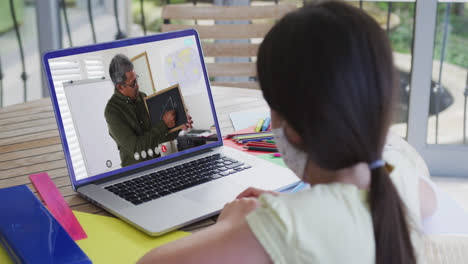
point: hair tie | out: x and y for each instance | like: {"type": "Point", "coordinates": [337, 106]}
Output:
{"type": "Point", "coordinates": [376, 164]}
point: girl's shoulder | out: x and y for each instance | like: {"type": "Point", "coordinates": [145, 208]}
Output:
{"type": "Point", "coordinates": [330, 201]}
{"type": "Point", "coordinates": [405, 176]}
{"type": "Point", "coordinates": [312, 225]}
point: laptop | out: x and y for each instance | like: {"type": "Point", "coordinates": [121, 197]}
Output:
{"type": "Point", "coordinates": [174, 183]}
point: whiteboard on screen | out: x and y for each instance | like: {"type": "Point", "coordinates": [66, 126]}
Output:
{"type": "Point", "coordinates": [87, 100]}
{"type": "Point", "coordinates": [143, 69]}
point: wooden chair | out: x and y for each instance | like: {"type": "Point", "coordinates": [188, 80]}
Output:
{"type": "Point", "coordinates": [266, 14]}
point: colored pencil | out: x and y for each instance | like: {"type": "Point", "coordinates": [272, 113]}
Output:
{"type": "Point", "coordinates": [262, 137]}
{"type": "Point", "coordinates": [270, 141]}
{"type": "Point", "coordinates": [260, 144]}
{"type": "Point", "coordinates": [262, 140]}
{"type": "Point", "coordinates": [258, 128]}
{"type": "Point", "coordinates": [298, 187]}
{"type": "Point", "coordinates": [262, 149]}
{"type": "Point", "coordinates": [259, 135]}
{"type": "Point", "coordinates": [253, 140]}
{"type": "Point", "coordinates": [244, 134]}
{"type": "Point", "coordinates": [266, 124]}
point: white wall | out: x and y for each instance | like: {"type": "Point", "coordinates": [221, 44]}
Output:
{"type": "Point", "coordinates": [195, 93]}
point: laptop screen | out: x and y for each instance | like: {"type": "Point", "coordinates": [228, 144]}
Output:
{"type": "Point", "coordinates": [127, 104]}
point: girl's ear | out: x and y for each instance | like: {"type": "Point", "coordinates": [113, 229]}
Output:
{"type": "Point", "coordinates": [276, 119]}
{"type": "Point", "coordinates": [292, 135]}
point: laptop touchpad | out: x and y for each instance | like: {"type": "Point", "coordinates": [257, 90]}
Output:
{"type": "Point", "coordinates": [217, 193]}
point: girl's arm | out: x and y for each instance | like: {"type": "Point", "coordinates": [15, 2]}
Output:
{"type": "Point", "coordinates": [427, 198]}
{"type": "Point", "coordinates": [230, 240]}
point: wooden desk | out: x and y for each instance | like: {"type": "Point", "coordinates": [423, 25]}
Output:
{"type": "Point", "coordinates": [30, 142]}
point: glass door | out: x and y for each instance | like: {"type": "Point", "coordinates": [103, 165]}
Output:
{"type": "Point", "coordinates": [397, 19]}
{"type": "Point", "coordinates": [437, 114]}
{"type": "Point", "coordinates": [430, 43]}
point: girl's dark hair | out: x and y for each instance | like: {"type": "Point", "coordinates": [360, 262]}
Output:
{"type": "Point", "coordinates": [328, 70]}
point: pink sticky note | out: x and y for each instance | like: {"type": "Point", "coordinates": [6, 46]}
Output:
{"type": "Point", "coordinates": [58, 207]}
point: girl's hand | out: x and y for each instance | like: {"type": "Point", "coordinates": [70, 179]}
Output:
{"type": "Point", "coordinates": [215, 244]}
{"type": "Point", "coordinates": [237, 210]}
{"type": "Point", "coordinates": [252, 192]}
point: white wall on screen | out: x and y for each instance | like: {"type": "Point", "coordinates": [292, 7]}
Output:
{"type": "Point", "coordinates": [156, 53]}
{"type": "Point", "coordinates": [195, 99]}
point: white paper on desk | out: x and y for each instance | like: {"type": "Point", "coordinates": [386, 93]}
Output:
{"type": "Point", "coordinates": [206, 134]}
{"type": "Point", "coordinates": [449, 218]}
{"type": "Point", "coordinates": [241, 120]}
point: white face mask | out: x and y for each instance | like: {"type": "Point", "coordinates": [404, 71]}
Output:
{"type": "Point", "coordinates": [294, 158]}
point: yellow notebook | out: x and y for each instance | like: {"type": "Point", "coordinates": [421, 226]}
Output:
{"type": "Point", "coordinates": [111, 240]}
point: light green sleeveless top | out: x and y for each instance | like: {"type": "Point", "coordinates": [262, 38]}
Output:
{"type": "Point", "coordinates": [331, 223]}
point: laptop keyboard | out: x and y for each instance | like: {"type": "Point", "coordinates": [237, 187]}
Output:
{"type": "Point", "coordinates": [157, 184]}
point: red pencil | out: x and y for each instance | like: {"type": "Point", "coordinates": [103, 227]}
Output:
{"type": "Point", "coordinates": [260, 144]}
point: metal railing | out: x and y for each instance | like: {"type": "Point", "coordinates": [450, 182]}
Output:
{"type": "Point", "coordinates": [437, 90]}
{"type": "Point", "coordinates": [120, 34]}
{"type": "Point", "coordinates": [63, 6]}
{"type": "Point", "coordinates": [142, 14]}
{"type": "Point", "coordinates": [91, 21]}
{"type": "Point", "coordinates": [1, 84]}
{"type": "Point", "coordinates": [24, 77]}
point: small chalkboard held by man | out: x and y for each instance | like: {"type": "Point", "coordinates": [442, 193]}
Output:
{"type": "Point", "coordinates": [167, 100]}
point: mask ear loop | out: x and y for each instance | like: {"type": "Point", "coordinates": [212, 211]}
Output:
{"type": "Point", "coordinates": [376, 164]}
{"type": "Point", "coordinates": [381, 163]}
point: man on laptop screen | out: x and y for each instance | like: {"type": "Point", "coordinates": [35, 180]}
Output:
{"type": "Point", "coordinates": [128, 120]}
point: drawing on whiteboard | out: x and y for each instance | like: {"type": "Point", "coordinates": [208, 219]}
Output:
{"type": "Point", "coordinates": [166, 100]}
{"type": "Point", "coordinates": [168, 106]}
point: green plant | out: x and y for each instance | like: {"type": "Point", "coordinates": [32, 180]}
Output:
{"type": "Point", "coordinates": [6, 21]}
{"type": "Point", "coordinates": [152, 11]}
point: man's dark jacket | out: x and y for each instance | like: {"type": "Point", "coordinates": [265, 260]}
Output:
{"type": "Point", "coordinates": [130, 126]}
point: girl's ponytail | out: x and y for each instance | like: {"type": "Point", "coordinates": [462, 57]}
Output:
{"type": "Point", "coordinates": [392, 237]}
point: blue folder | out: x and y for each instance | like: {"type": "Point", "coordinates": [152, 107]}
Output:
{"type": "Point", "coordinates": [30, 233]}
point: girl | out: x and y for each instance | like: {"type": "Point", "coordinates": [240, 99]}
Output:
{"type": "Point", "coordinates": [327, 73]}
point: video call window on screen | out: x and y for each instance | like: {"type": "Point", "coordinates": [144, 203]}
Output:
{"type": "Point", "coordinates": [109, 126]}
